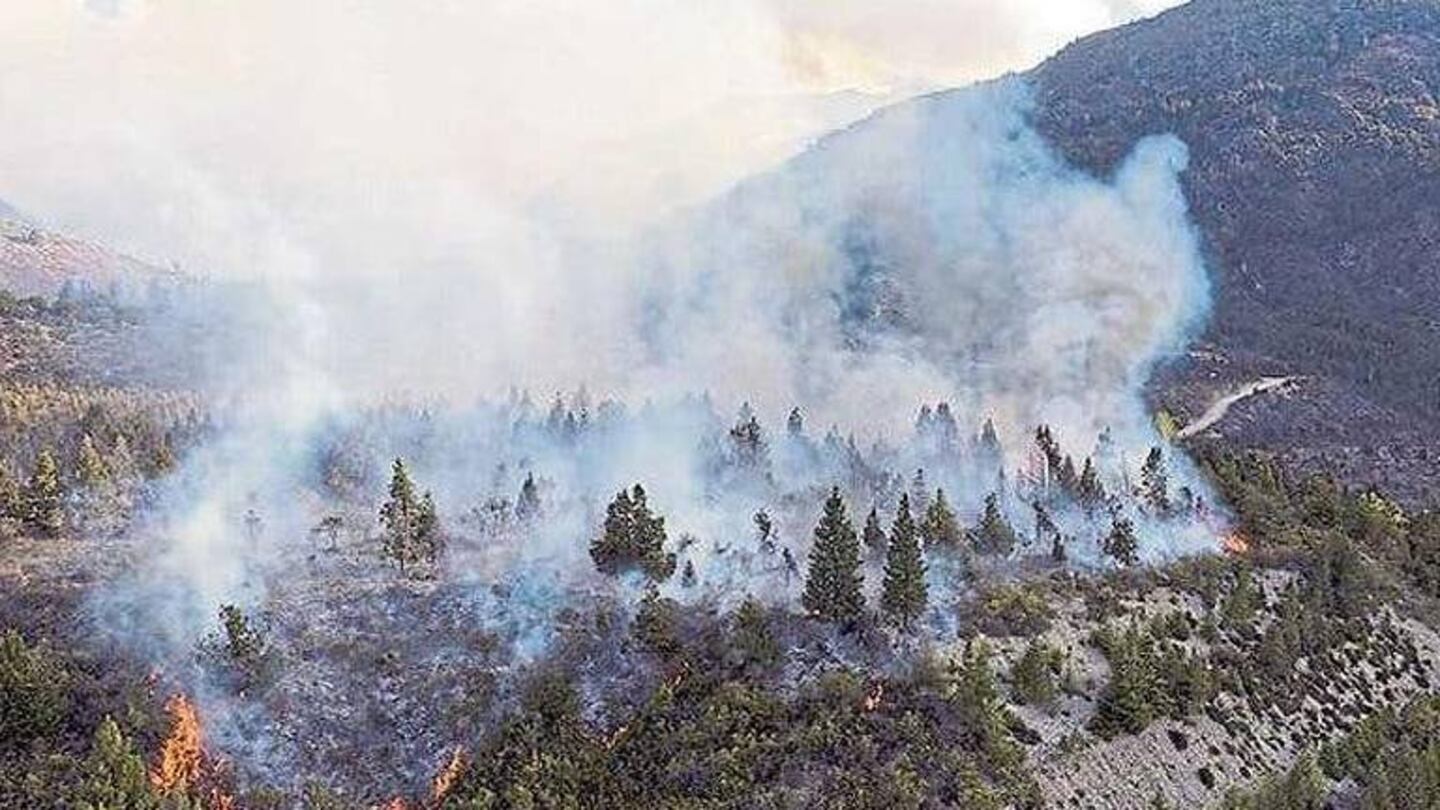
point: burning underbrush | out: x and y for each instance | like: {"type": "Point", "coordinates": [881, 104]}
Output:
{"type": "Point", "coordinates": [352, 684]}
{"type": "Point", "coordinates": [183, 767]}
{"type": "Point", "coordinates": [348, 650]}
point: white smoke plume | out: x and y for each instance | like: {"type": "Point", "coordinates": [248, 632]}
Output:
{"type": "Point", "coordinates": [938, 252]}
{"type": "Point", "coordinates": [413, 214]}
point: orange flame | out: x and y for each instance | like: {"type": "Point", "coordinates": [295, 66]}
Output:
{"type": "Point", "coordinates": [183, 765]}
{"type": "Point", "coordinates": [1235, 543]}
{"type": "Point", "coordinates": [180, 754]}
{"type": "Point", "coordinates": [448, 776]}
{"type": "Point", "coordinates": [872, 700]}
{"type": "Point", "coordinates": [396, 803]}
{"type": "Point", "coordinates": [615, 738]}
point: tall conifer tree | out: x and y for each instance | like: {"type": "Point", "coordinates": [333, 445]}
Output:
{"type": "Point", "coordinates": [941, 527]}
{"type": "Point", "coordinates": [995, 534]}
{"type": "Point", "coordinates": [905, 594]}
{"type": "Point", "coordinates": [873, 535]}
{"type": "Point", "coordinates": [832, 584]}
{"type": "Point", "coordinates": [42, 496]}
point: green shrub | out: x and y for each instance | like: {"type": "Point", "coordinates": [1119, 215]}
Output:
{"type": "Point", "coordinates": [33, 693]}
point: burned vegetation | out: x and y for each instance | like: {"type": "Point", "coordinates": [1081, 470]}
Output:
{"type": "Point", "coordinates": [888, 638]}
{"type": "Point", "coordinates": [270, 596]}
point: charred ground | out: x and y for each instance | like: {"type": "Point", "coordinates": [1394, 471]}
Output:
{"type": "Point", "coordinates": [1312, 653]}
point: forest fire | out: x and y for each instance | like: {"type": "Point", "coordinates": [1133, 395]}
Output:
{"type": "Point", "coordinates": [1235, 543]}
{"type": "Point", "coordinates": [182, 767]}
{"type": "Point", "coordinates": [872, 700]}
{"type": "Point", "coordinates": [180, 755]}
{"type": "Point", "coordinates": [448, 776]}
{"type": "Point", "coordinates": [440, 787]}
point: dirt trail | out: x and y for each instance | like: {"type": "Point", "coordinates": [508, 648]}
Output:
{"type": "Point", "coordinates": [1221, 406]}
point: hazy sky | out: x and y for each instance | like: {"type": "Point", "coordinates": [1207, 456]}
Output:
{"type": "Point", "coordinates": [186, 130]}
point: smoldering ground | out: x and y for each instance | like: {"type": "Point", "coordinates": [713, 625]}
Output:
{"type": "Point", "coordinates": [936, 253]}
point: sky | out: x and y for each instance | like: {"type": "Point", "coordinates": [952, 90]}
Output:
{"type": "Point", "coordinates": [270, 136]}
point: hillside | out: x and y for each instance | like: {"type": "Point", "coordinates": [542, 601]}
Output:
{"type": "Point", "coordinates": [1314, 134]}
{"type": "Point", "coordinates": [211, 597]}
{"type": "Point", "coordinates": [39, 262]}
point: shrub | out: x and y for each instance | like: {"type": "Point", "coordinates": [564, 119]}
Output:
{"type": "Point", "coordinates": [33, 694]}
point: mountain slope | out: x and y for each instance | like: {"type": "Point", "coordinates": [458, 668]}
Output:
{"type": "Point", "coordinates": [1314, 133]}
{"type": "Point", "coordinates": [34, 261]}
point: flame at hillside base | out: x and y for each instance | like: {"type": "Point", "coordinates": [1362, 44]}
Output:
{"type": "Point", "coordinates": [448, 776]}
{"type": "Point", "coordinates": [183, 766]}
{"type": "Point", "coordinates": [178, 767]}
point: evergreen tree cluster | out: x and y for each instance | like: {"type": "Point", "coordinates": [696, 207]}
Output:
{"type": "Point", "coordinates": [79, 459]}
{"type": "Point", "coordinates": [633, 538]}
{"type": "Point", "coordinates": [1150, 677]}
{"type": "Point", "coordinates": [411, 524]}
{"type": "Point", "coordinates": [33, 698]}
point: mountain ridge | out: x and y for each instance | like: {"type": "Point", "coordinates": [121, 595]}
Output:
{"type": "Point", "coordinates": [1314, 135]}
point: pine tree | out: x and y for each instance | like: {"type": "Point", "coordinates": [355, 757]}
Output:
{"type": "Point", "coordinates": [874, 536]}
{"type": "Point", "coordinates": [919, 490]}
{"type": "Point", "coordinates": [1050, 449]}
{"type": "Point", "coordinates": [747, 442]}
{"type": "Point", "coordinates": [12, 500]}
{"type": "Point", "coordinates": [752, 638]}
{"type": "Point", "coordinates": [1033, 676]}
{"type": "Point", "coordinates": [795, 425]}
{"type": "Point", "coordinates": [400, 516]}
{"type": "Point", "coordinates": [946, 430]}
{"type": "Point", "coordinates": [832, 583]}
{"type": "Point", "coordinates": [655, 624]}
{"type": "Point", "coordinates": [650, 538]}
{"type": "Point", "coordinates": [34, 691]}
{"type": "Point", "coordinates": [632, 538]}
{"type": "Point", "coordinates": [162, 459]}
{"type": "Point", "coordinates": [1091, 492]}
{"type": "Point", "coordinates": [242, 639]}
{"type": "Point", "coordinates": [90, 465]}
{"type": "Point", "coordinates": [765, 531]}
{"type": "Point", "coordinates": [988, 451]}
{"type": "Point", "coordinates": [905, 592]}
{"type": "Point", "coordinates": [114, 775]}
{"type": "Point", "coordinates": [254, 526]}
{"type": "Point", "coordinates": [429, 540]}
{"type": "Point", "coordinates": [122, 461]}
{"type": "Point", "coordinates": [612, 546]}
{"type": "Point", "coordinates": [527, 503]}
{"type": "Point", "coordinates": [1121, 543]}
{"type": "Point", "coordinates": [555, 419]}
{"type": "Point", "coordinates": [977, 698]}
{"type": "Point", "coordinates": [1127, 705]}
{"type": "Point", "coordinates": [994, 534]}
{"type": "Point", "coordinates": [1044, 524]}
{"type": "Point", "coordinates": [941, 528]}
{"type": "Point", "coordinates": [43, 496]}
{"type": "Point", "coordinates": [1155, 482]}
{"type": "Point", "coordinates": [1067, 478]}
